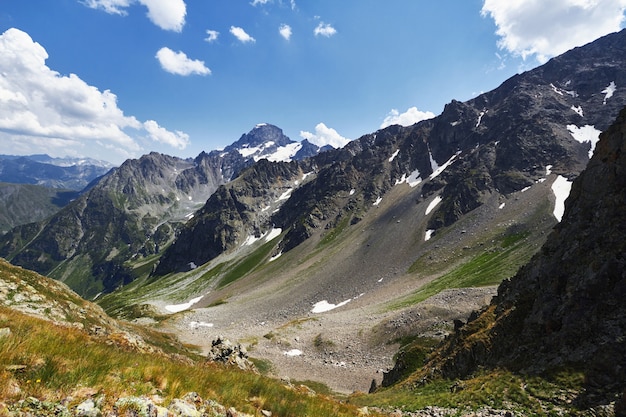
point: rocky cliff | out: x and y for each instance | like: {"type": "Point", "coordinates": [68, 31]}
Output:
{"type": "Point", "coordinates": [566, 307]}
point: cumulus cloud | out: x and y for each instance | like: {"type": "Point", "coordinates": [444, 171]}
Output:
{"type": "Point", "coordinates": [325, 135]}
{"type": "Point", "coordinates": [545, 29]}
{"type": "Point", "coordinates": [241, 35]}
{"type": "Point", "coordinates": [212, 35]}
{"type": "Point", "coordinates": [178, 63]}
{"type": "Point", "coordinates": [166, 14]}
{"type": "Point", "coordinates": [44, 111]}
{"type": "Point", "coordinates": [256, 2]}
{"type": "Point", "coordinates": [285, 31]}
{"type": "Point", "coordinates": [324, 29]}
{"type": "Point", "coordinates": [408, 118]}
{"type": "Point", "coordinates": [157, 133]}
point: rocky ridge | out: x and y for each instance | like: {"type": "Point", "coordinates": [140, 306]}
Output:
{"type": "Point", "coordinates": [565, 308]}
{"type": "Point", "coordinates": [499, 143]}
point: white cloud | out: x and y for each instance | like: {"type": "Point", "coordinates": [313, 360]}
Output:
{"type": "Point", "coordinates": [212, 35]}
{"type": "Point", "coordinates": [42, 111]}
{"type": "Point", "coordinates": [176, 139]}
{"type": "Point", "coordinates": [166, 14]}
{"type": "Point", "coordinates": [255, 2]}
{"type": "Point", "coordinates": [325, 136]}
{"type": "Point", "coordinates": [545, 29]}
{"type": "Point", "coordinates": [408, 118]}
{"type": "Point", "coordinates": [109, 6]}
{"type": "Point", "coordinates": [285, 31]}
{"type": "Point", "coordinates": [241, 34]}
{"type": "Point", "coordinates": [324, 29]}
{"type": "Point", "coordinates": [178, 63]}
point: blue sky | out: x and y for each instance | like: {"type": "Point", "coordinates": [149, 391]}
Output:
{"type": "Point", "coordinates": [115, 79]}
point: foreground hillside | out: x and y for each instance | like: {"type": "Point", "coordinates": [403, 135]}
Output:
{"type": "Point", "coordinates": [63, 356]}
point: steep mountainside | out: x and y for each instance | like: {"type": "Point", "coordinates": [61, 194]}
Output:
{"type": "Point", "coordinates": [566, 307]}
{"type": "Point", "coordinates": [25, 203]}
{"type": "Point", "coordinates": [132, 213]}
{"type": "Point", "coordinates": [540, 122]}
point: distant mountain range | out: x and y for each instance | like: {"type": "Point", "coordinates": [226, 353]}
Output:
{"type": "Point", "coordinates": [64, 173]}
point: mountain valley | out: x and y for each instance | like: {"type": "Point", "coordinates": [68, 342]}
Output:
{"type": "Point", "coordinates": [329, 265]}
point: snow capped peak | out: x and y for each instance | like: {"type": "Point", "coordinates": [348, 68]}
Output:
{"type": "Point", "coordinates": [260, 125]}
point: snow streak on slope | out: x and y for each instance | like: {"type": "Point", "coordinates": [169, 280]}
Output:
{"type": "Point", "coordinates": [561, 188]}
{"type": "Point", "coordinates": [585, 134]}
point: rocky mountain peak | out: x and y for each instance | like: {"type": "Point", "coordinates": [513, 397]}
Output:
{"type": "Point", "coordinates": [261, 134]}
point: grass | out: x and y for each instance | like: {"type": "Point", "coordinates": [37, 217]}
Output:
{"type": "Point", "coordinates": [54, 362]}
{"type": "Point", "coordinates": [551, 394]}
{"type": "Point", "coordinates": [487, 268]}
{"type": "Point", "coordinates": [247, 265]}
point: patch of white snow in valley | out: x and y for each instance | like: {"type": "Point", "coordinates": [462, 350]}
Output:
{"type": "Point", "coordinates": [609, 91]}
{"type": "Point", "coordinates": [175, 308]}
{"type": "Point", "coordinates": [274, 233]}
{"type": "Point", "coordinates": [561, 188]}
{"type": "Point", "coordinates": [428, 235]}
{"type": "Point", "coordinates": [324, 306]}
{"type": "Point", "coordinates": [378, 200]}
{"type": "Point", "coordinates": [586, 134]}
{"type": "Point", "coordinates": [548, 170]}
{"type": "Point", "coordinates": [578, 110]}
{"type": "Point", "coordinates": [293, 352]}
{"type": "Point", "coordinates": [433, 204]}
{"type": "Point", "coordinates": [251, 239]}
{"type": "Point", "coordinates": [352, 191]}
{"type": "Point", "coordinates": [392, 157]}
{"type": "Point", "coordinates": [285, 195]}
{"type": "Point", "coordinates": [197, 324]}
{"type": "Point", "coordinates": [501, 206]}
{"type": "Point", "coordinates": [525, 189]}
{"type": "Point", "coordinates": [442, 168]}
{"type": "Point", "coordinates": [273, 258]}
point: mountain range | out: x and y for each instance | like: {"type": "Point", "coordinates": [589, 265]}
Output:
{"type": "Point", "coordinates": [265, 242]}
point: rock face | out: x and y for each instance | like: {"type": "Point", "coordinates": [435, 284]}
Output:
{"type": "Point", "coordinates": [496, 144]}
{"type": "Point", "coordinates": [566, 307]}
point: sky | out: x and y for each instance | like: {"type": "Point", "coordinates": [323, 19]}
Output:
{"type": "Point", "coordinates": [116, 79]}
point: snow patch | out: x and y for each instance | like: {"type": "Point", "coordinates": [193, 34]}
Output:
{"type": "Point", "coordinates": [273, 258]}
{"type": "Point", "coordinates": [442, 168]}
{"type": "Point", "coordinates": [352, 191]}
{"type": "Point", "coordinates": [525, 189]}
{"type": "Point", "coordinates": [433, 204]}
{"type": "Point", "coordinates": [293, 352]}
{"type": "Point", "coordinates": [609, 91]}
{"type": "Point", "coordinates": [413, 179]}
{"type": "Point", "coordinates": [578, 110]}
{"type": "Point", "coordinates": [247, 151]}
{"type": "Point", "coordinates": [285, 195]}
{"type": "Point", "coordinates": [392, 157]}
{"type": "Point", "coordinates": [586, 134]}
{"type": "Point", "coordinates": [378, 200]}
{"type": "Point", "coordinates": [274, 233]}
{"type": "Point", "coordinates": [548, 170]}
{"type": "Point", "coordinates": [324, 306]}
{"type": "Point", "coordinates": [561, 188]}
{"type": "Point", "coordinates": [501, 206]}
{"type": "Point", "coordinates": [284, 153]}
{"type": "Point", "coordinates": [198, 324]}
{"type": "Point", "coordinates": [175, 308]}
{"type": "Point", "coordinates": [428, 235]}
{"type": "Point", "coordinates": [480, 117]}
